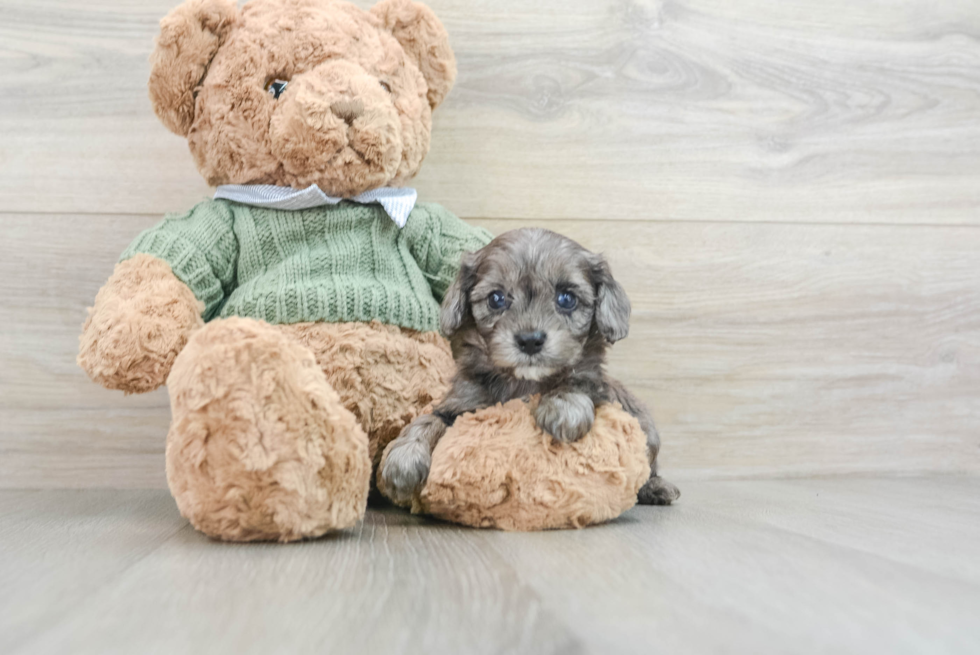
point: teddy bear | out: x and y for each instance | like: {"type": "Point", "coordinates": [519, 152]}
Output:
{"type": "Point", "coordinates": [293, 317]}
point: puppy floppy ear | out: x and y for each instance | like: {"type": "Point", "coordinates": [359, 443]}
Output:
{"type": "Point", "coordinates": [190, 35]}
{"type": "Point", "coordinates": [425, 41]}
{"type": "Point", "coordinates": [456, 302]}
{"type": "Point", "coordinates": [612, 305]}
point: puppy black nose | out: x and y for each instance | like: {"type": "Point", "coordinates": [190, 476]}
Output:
{"type": "Point", "coordinates": [531, 342]}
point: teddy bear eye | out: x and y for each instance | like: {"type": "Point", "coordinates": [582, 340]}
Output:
{"type": "Point", "coordinates": [384, 85]}
{"type": "Point", "coordinates": [275, 88]}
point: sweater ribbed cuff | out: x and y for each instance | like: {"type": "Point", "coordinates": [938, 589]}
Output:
{"type": "Point", "coordinates": [187, 262]}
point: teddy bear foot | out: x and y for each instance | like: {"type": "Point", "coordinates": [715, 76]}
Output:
{"type": "Point", "coordinates": [260, 447]}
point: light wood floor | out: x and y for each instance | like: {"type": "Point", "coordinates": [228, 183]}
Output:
{"type": "Point", "coordinates": [806, 566]}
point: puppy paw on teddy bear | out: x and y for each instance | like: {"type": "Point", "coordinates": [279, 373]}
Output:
{"type": "Point", "coordinates": [530, 314]}
{"type": "Point", "coordinates": [294, 317]}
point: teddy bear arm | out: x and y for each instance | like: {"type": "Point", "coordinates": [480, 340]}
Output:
{"type": "Point", "coordinates": [141, 320]}
{"type": "Point", "coordinates": [170, 279]}
{"type": "Point", "coordinates": [201, 247]}
{"type": "Point", "coordinates": [438, 239]}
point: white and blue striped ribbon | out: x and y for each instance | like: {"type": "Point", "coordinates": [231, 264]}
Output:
{"type": "Point", "coordinates": [397, 202]}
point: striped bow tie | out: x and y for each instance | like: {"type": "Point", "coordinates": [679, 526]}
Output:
{"type": "Point", "coordinates": [397, 202]}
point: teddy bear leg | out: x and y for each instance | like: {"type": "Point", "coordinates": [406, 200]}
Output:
{"type": "Point", "coordinates": [260, 446]}
{"type": "Point", "coordinates": [385, 375]}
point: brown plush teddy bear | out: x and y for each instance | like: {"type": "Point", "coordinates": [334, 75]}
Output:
{"type": "Point", "coordinates": [294, 316]}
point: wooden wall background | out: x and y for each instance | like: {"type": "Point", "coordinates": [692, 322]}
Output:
{"type": "Point", "coordinates": [790, 192]}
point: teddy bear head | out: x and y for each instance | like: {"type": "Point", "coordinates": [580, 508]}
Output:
{"type": "Point", "coordinates": [300, 92]}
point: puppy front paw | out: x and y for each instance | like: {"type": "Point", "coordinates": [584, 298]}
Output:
{"type": "Point", "coordinates": [404, 471]}
{"type": "Point", "coordinates": [406, 463]}
{"type": "Point", "coordinates": [566, 416]}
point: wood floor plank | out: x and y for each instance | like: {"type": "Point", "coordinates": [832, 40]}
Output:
{"type": "Point", "coordinates": [393, 585]}
{"type": "Point", "coordinates": [683, 110]}
{"type": "Point", "coordinates": [931, 524]}
{"type": "Point", "coordinates": [803, 566]}
{"type": "Point", "coordinates": [696, 578]}
{"type": "Point", "coordinates": [58, 548]}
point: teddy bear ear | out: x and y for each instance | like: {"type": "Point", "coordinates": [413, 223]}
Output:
{"type": "Point", "coordinates": [190, 35]}
{"type": "Point", "coordinates": [424, 39]}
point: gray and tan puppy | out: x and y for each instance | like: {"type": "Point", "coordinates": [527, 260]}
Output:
{"type": "Point", "coordinates": [533, 312]}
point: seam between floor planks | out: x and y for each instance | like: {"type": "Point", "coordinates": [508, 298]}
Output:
{"type": "Point", "coordinates": [548, 221]}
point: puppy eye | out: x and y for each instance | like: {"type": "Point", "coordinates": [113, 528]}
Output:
{"type": "Point", "coordinates": [384, 85]}
{"type": "Point", "coordinates": [497, 300]}
{"type": "Point", "coordinates": [566, 300]}
{"type": "Point", "coordinates": [275, 88]}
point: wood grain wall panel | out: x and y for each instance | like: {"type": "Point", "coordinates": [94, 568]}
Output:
{"type": "Point", "coordinates": [787, 190]}
{"type": "Point", "coordinates": [761, 110]}
{"type": "Point", "coordinates": [765, 349]}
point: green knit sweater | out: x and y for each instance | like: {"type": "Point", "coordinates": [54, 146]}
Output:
{"type": "Point", "coordinates": [346, 262]}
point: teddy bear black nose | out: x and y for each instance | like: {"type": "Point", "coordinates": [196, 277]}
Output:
{"type": "Point", "coordinates": [531, 343]}
{"type": "Point", "coordinates": [348, 109]}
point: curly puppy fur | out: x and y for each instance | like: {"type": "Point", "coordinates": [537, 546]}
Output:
{"type": "Point", "coordinates": [141, 319]}
{"type": "Point", "coordinates": [497, 468]}
{"type": "Point", "coordinates": [356, 112]}
{"type": "Point", "coordinates": [533, 312]}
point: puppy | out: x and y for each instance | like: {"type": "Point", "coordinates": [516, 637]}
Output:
{"type": "Point", "coordinates": [531, 313]}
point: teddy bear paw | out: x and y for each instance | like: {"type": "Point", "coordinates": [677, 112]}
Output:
{"type": "Point", "coordinates": [141, 320]}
